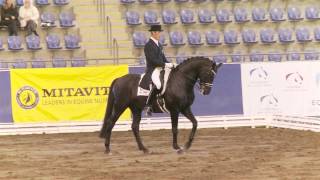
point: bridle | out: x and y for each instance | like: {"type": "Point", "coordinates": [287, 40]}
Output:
{"type": "Point", "coordinates": [199, 84]}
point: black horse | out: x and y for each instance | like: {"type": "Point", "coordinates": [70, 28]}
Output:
{"type": "Point", "coordinates": [178, 97]}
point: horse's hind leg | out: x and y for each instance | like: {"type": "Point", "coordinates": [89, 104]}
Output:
{"type": "Point", "coordinates": [136, 115]}
{"type": "Point", "coordinates": [116, 112]}
{"type": "Point", "coordinates": [187, 113]}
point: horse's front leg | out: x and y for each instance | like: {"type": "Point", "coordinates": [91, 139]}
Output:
{"type": "Point", "coordinates": [174, 122]}
{"type": "Point", "coordinates": [136, 129]}
{"type": "Point", "coordinates": [188, 114]}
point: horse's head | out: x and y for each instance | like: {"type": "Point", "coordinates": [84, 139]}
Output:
{"type": "Point", "coordinates": [206, 76]}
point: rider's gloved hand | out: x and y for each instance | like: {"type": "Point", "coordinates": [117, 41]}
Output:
{"type": "Point", "coordinates": [169, 65]}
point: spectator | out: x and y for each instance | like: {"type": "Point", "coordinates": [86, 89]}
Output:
{"type": "Point", "coordinates": [9, 17]}
{"type": "Point", "coordinates": [29, 16]}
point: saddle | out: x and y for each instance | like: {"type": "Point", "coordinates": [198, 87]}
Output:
{"type": "Point", "coordinates": [145, 85]}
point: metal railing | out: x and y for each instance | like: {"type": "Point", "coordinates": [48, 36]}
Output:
{"type": "Point", "coordinates": [108, 31]}
{"type": "Point", "coordinates": [115, 51]}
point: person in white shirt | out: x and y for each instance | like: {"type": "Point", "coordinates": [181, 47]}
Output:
{"type": "Point", "coordinates": [29, 16]}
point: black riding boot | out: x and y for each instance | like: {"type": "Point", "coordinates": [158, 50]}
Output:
{"type": "Point", "coordinates": [150, 99]}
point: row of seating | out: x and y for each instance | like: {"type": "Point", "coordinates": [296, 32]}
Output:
{"type": "Point", "coordinates": [49, 19]}
{"type": "Point", "coordinates": [231, 37]}
{"type": "Point", "coordinates": [33, 42]}
{"type": "Point", "coordinates": [238, 57]}
{"type": "Point", "coordinates": [166, 1]}
{"type": "Point", "coordinates": [40, 63]}
{"type": "Point", "coordinates": [205, 16]}
{"type": "Point", "coordinates": [42, 2]}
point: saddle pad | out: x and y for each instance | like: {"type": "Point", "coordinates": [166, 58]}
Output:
{"type": "Point", "coordinates": [141, 91]}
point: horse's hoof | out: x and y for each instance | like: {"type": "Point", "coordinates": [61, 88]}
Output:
{"type": "Point", "coordinates": [180, 151]}
{"type": "Point", "coordinates": [108, 152]}
{"type": "Point", "coordinates": [146, 151]}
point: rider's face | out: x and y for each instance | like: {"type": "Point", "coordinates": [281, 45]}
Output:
{"type": "Point", "coordinates": [156, 35]}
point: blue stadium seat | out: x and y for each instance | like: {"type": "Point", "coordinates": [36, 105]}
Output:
{"type": "Point", "coordinates": [72, 41]}
{"type": "Point", "coordinates": [33, 42]}
{"type": "Point", "coordinates": [142, 60]}
{"type": "Point", "coordinates": [241, 15]}
{"type": "Point", "coordinates": [249, 36]}
{"type": "Point", "coordinates": [237, 57]}
{"type": "Point", "coordinates": [14, 43]}
{"type": "Point", "coordinates": [213, 38]}
{"type": "Point", "coordinates": [19, 64]}
{"type": "Point", "coordinates": [285, 35]}
{"type": "Point", "coordinates": [223, 16]}
{"type": "Point", "coordinates": [139, 39]}
{"type": "Point", "coordinates": [312, 13]}
{"type": "Point", "coordinates": [180, 58]}
{"type": "Point", "coordinates": [293, 56]}
{"type": "Point", "coordinates": [187, 16]}
{"type": "Point", "coordinates": [61, 2]}
{"type": "Point", "coordinates": [59, 62]}
{"type": "Point", "coordinates": [220, 58]}
{"type": "Point", "coordinates": [199, 1]}
{"type": "Point", "coordinates": [151, 17]}
{"type": "Point", "coordinates": [127, 1]}
{"type": "Point", "coordinates": [1, 44]}
{"type": "Point", "coordinates": [162, 40]}
{"type": "Point", "coordinates": [169, 16]}
{"type": "Point", "coordinates": [66, 19]}
{"type": "Point", "coordinates": [276, 14]}
{"type": "Point", "coordinates": [38, 63]}
{"type": "Point", "coordinates": [78, 62]}
{"type": "Point", "coordinates": [256, 57]}
{"type": "Point", "coordinates": [303, 34]}
{"type": "Point", "coordinates": [42, 2]}
{"type": "Point", "coordinates": [311, 55]}
{"type": "Point", "coordinates": [205, 16]}
{"type": "Point", "coordinates": [145, 1]}
{"type": "Point", "coordinates": [259, 15]}
{"type": "Point", "coordinates": [181, 1]}
{"type": "Point", "coordinates": [53, 41]}
{"type": "Point", "coordinates": [48, 19]}
{"type": "Point", "coordinates": [267, 36]}
{"type": "Point", "coordinates": [163, 1]}
{"type": "Point", "coordinates": [194, 38]}
{"type": "Point", "coordinates": [176, 38]}
{"type": "Point", "coordinates": [294, 14]}
{"type": "Point", "coordinates": [231, 37]}
{"type": "Point", "coordinates": [19, 2]}
{"type": "Point", "coordinates": [274, 56]}
{"type": "Point", "coordinates": [316, 33]}
{"type": "Point", "coordinates": [132, 18]}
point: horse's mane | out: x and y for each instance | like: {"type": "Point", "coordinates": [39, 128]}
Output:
{"type": "Point", "coordinates": [192, 59]}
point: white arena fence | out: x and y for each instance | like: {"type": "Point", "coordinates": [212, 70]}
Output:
{"type": "Point", "coordinates": [277, 121]}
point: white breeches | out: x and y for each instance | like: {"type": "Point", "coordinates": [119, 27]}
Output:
{"type": "Point", "coordinates": [155, 77]}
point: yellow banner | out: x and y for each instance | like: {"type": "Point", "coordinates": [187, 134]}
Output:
{"type": "Point", "coordinates": [62, 94]}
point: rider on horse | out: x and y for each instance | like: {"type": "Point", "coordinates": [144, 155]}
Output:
{"type": "Point", "coordinates": [156, 61]}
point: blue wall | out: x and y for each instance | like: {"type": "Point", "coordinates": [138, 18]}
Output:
{"type": "Point", "coordinates": [5, 98]}
{"type": "Point", "coordinates": [225, 97]}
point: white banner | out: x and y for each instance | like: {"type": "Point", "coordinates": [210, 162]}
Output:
{"type": "Point", "coordinates": [290, 88]}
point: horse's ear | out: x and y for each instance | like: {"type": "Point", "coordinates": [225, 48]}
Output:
{"type": "Point", "coordinates": [217, 66]}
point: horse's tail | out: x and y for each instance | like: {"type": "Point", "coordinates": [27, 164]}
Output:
{"type": "Point", "coordinates": [103, 131]}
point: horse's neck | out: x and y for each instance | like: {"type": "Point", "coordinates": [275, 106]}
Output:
{"type": "Point", "coordinates": [188, 73]}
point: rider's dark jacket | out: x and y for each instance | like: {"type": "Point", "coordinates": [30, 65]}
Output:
{"type": "Point", "coordinates": [154, 56]}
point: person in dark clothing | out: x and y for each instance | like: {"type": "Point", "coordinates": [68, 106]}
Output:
{"type": "Point", "coordinates": [156, 61]}
{"type": "Point", "coordinates": [9, 17]}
